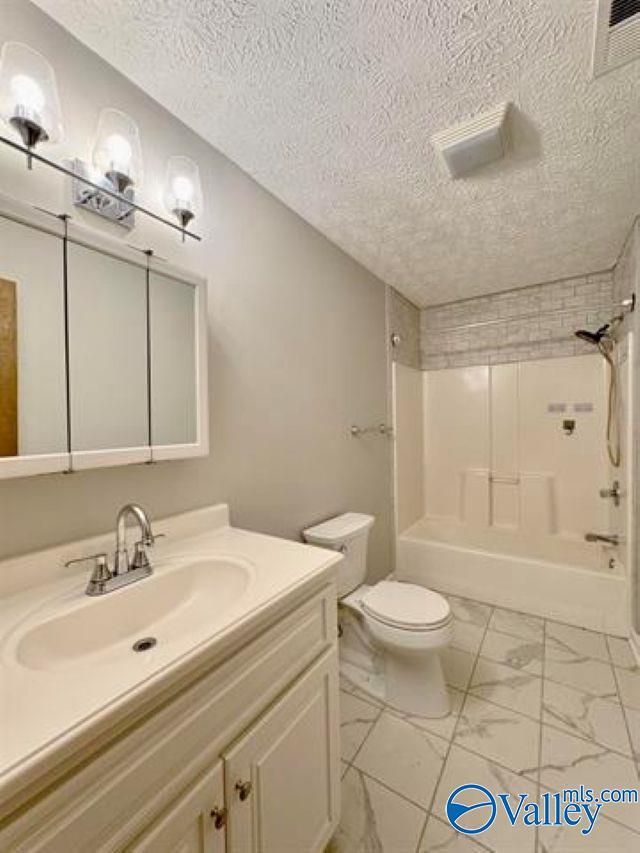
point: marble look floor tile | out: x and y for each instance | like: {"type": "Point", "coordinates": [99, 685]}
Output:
{"type": "Point", "coordinates": [585, 715]}
{"type": "Point", "coordinates": [467, 636]}
{"type": "Point", "coordinates": [403, 757]}
{"type": "Point", "coordinates": [346, 684]}
{"type": "Point", "coordinates": [442, 726]}
{"type": "Point", "coordinates": [621, 653]}
{"type": "Point", "coordinates": [499, 734]}
{"type": "Point", "coordinates": [375, 820]}
{"type": "Point", "coordinates": [441, 837]}
{"type": "Point", "coordinates": [463, 767]}
{"type": "Point", "coordinates": [605, 837]}
{"type": "Point", "coordinates": [571, 643]}
{"type": "Point", "coordinates": [457, 666]}
{"type": "Point", "coordinates": [521, 625]}
{"type": "Point", "coordinates": [518, 654]}
{"type": "Point", "coordinates": [467, 610]}
{"type": "Point", "coordinates": [356, 719]}
{"type": "Point", "coordinates": [568, 762]}
{"type": "Point", "coordinates": [633, 722]}
{"type": "Point", "coordinates": [512, 688]}
{"type": "Point", "coordinates": [588, 674]}
{"type": "Point", "coordinates": [629, 685]}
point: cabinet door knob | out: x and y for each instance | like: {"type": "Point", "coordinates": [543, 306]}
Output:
{"type": "Point", "coordinates": [219, 817]}
{"type": "Point", "coordinates": [243, 789]}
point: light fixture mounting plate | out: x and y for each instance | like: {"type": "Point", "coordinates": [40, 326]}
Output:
{"type": "Point", "coordinates": [103, 205]}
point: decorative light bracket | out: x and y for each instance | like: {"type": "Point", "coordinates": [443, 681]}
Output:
{"type": "Point", "coordinates": [97, 188]}
{"type": "Point", "coordinates": [118, 210]}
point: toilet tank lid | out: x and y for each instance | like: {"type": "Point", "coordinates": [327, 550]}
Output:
{"type": "Point", "coordinates": [338, 529]}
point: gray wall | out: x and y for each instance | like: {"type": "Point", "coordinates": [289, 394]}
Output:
{"type": "Point", "coordinates": [404, 321]}
{"type": "Point", "coordinates": [297, 350]}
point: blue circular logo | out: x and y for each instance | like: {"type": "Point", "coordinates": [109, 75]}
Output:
{"type": "Point", "coordinates": [471, 809]}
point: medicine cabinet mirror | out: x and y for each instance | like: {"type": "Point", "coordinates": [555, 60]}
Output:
{"type": "Point", "coordinates": [102, 350]}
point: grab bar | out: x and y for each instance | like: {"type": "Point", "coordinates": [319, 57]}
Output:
{"type": "Point", "coordinates": [358, 431]}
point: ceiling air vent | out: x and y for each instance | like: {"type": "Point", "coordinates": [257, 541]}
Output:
{"type": "Point", "coordinates": [617, 38]}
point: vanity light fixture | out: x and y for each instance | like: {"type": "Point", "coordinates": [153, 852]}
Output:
{"type": "Point", "coordinates": [183, 190]}
{"type": "Point", "coordinates": [116, 151]}
{"type": "Point", "coordinates": [29, 101]}
{"type": "Point", "coordinates": [30, 106]}
{"type": "Point", "coordinates": [116, 166]}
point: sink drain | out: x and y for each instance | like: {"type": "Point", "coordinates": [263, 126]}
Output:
{"type": "Point", "coordinates": [144, 644]}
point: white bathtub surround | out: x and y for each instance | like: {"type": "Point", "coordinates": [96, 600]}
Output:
{"type": "Point", "coordinates": [214, 589]}
{"type": "Point", "coordinates": [500, 718]}
{"type": "Point", "coordinates": [496, 452]}
{"type": "Point", "coordinates": [508, 497]}
{"type": "Point", "coordinates": [562, 579]}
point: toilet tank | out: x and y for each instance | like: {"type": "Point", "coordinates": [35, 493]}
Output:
{"type": "Point", "coordinates": [348, 533]}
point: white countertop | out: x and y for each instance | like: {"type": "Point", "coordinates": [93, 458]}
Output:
{"type": "Point", "coordinates": [44, 712]}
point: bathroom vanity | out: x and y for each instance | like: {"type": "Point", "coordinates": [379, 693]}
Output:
{"type": "Point", "coordinates": [221, 736]}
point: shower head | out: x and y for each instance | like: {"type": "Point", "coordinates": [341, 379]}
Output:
{"type": "Point", "coordinates": [593, 337]}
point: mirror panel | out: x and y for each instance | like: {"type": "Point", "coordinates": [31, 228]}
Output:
{"type": "Point", "coordinates": [172, 317]}
{"type": "Point", "coordinates": [33, 407]}
{"type": "Point", "coordinates": [107, 351]}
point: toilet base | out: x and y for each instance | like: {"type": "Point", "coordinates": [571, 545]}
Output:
{"type": "Point", "coordinates": [415, 683]}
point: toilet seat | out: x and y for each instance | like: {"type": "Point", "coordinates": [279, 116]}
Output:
{"type": "Point", "coordinates": [406, 606]}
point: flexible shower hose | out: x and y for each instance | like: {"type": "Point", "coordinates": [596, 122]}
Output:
{"type": "Point", "coordinates": [613, 428]}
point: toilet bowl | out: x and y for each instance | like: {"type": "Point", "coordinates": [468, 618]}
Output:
{"type": "Point", "coordinates": [408, 623]}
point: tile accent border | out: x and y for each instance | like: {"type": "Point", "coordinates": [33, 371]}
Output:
{"type": "Point", "coordinates": [509, 337]}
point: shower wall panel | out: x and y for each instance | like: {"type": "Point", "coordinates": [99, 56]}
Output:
{"type": "Point", "coordinates": [518, 446]}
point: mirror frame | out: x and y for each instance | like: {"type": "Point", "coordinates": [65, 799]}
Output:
{"type": "Point", "coordinates": [74, 460]}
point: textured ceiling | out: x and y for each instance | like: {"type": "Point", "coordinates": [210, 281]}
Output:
{"type": "Point", "coordinates": [331, 104]}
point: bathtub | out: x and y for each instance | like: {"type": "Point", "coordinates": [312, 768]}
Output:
{"type": "Point", "coordinates": [556, 577]}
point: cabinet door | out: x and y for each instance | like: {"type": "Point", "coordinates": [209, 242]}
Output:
{"type": "Point", "coordinates": [190, 825]}
{"type": "Point", "coordinates": [282, 777]}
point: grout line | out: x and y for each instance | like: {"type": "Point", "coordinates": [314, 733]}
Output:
{"type": "Point", "coordinates": [544, 656]}
{"type": "Point", "coordinates": [624, 714]}
{"type": "Point", "coordinates": [455, 727]}
{"type": "Point", "coordinates": [388, 788]}
{"type": "Point", "coordinates": [366, 737]}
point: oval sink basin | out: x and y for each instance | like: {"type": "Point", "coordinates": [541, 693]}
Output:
{"type": "Point", "coordinates": [191, 598]}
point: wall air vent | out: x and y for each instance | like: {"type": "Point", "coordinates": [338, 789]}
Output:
{"type": "Point", "coordinates": [617, 38]}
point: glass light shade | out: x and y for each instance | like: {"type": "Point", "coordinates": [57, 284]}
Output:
{"type": "Point", "coordinates": [29, 100]}
{"type": "Point", "coordinates": [182, 190]}
{"type": "Point", "coordinates": [116, 150]}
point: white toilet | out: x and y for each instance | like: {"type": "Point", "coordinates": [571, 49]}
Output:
{"type": "Point", "coordinates": [409, 624]}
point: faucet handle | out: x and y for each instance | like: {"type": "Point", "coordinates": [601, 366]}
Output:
{"type": "Point", "coordinates": [140, 559]}
{"type": "Point", "coordinates": [101, 560]}
{"type": "Point", "coordinates": [100, 574]}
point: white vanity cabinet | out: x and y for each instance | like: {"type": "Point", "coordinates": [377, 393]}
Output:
{"type": "Point", "coordinates": [279, 775]}
{"type": "Point", "coordinates": [241, 757]}
{"type": "Point", "coordinates": [274, 789]}
{"type": "Point", "coordinates": [195, 823]}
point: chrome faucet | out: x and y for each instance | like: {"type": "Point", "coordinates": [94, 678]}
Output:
{"type": "Point", "coordinates": [121, 559]}
{"type": "Point", "coordinates": [103, 579]}
{"type": "Point", "coordinates": [613, 539]}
